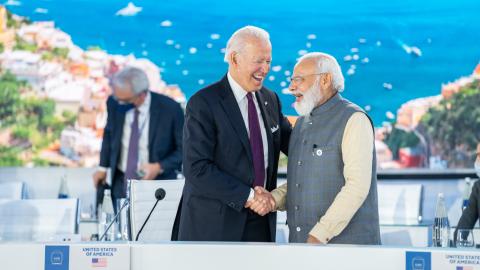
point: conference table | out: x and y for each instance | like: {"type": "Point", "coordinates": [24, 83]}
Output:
{"type": "Point", "coordinates": [216, 255]}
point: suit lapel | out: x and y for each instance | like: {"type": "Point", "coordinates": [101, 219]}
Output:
{"type": "Point", "coordinates": [263, 104]}
{"type": "Point", "coordinates": [153, 121]}
{"type": "Point", "coordinates": [230, 106]}
{"type": "Point", "coordinates": [118, 134]}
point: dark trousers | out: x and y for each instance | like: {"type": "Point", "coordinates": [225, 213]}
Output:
{"type": "Point", "coordinates": [256, 228]}
{"type": "Point", "coordinates": [118, 189]}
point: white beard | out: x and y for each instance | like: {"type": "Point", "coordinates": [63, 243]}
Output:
{"type": "Point", "coordinates": [310, 100]}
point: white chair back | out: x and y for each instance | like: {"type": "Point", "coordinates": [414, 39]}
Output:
{"type": "Point", "coordinates": [12, 190]}
{"type": "Point", "coordinates": [38, 220]}
{"type": "Point", "coordinates": [399, 204]}
{"type": "Point", "coordinates": [142, 199]}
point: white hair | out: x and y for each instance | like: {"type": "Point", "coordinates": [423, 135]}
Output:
{"type": "Point", "coordinates": [327, 64]}
{"type": "Point", "coordinates": [132, 77]}
{"type": "Point", "coordinates": [236, 42]}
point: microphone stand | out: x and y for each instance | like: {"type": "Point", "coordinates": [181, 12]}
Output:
{"type": "Point", "coordinates": [148, 217]}
{"type": "Point", "coordinates": [113, 220]}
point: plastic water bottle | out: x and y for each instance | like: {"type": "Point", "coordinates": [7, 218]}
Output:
{"type": "Point", "coordinates": [107, 215]}
{"type": "Point", "coordinates": [63, 191]}
{"type": "Point", "coordinates": [441, 226]}
{"type": "Point", "coordinates": [466, 192]}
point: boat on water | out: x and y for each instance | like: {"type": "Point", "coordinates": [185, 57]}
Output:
{"type": "Point", "coordinates": [129, 10]}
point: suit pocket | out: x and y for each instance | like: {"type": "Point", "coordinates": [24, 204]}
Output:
{"type": "Point", "coordinates": [205, 204]}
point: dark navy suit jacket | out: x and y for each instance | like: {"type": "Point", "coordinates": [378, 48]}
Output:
{"type": "Point", "coordinates": [218, 163]}
{"type": "Point", "coordinates": [164, 136]}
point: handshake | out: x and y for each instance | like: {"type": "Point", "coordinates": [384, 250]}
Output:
{"type": "Point", "coordinates": [262, 203]}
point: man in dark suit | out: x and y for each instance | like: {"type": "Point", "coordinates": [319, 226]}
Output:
{"type": "Point", "coordinates": [470, 215]}
{"type": "Point", "coordinates": [234, 131]}
{"type": "Point", "coordinates": [143, 135]}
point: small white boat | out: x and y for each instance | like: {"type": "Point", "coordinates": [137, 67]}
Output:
{"type": "Point", "coordinates": [41, 10]}
{"type": "Point", "coordinates": [286, 91]}
{"type": "Point", "coordinates": [215, 36]}
{"type": "Point", "coordinates": [166, 23]}
{"type": "Point", "coordinates": [129, 10]}
{"type": "Point", "coordinates": [276, 68]}
{"type": "Point", "coordinates": [387, 86]}
{"type": "Point", "coordinates": [347, 58]}
{"type": "Point", "coordinates": [12, 3]}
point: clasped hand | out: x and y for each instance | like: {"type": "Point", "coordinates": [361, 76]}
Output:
{"type": "Point", "coordinates": [262, 203]}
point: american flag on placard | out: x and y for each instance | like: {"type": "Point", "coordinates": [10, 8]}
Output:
{"type": "Point", "coordinates": [99, 262]}
{"type": "Point", "coordinates": [464, 268]}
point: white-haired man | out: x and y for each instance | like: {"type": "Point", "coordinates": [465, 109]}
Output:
{"type": "Point", "coordinates": [143, 135]}
{"type": "Point", "coordinates": [332, 184]}
{"type": "Point", "coordinates": [234, 131]}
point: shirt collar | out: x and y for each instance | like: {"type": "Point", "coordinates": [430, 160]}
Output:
{"type": "Point", "coordinates": [238, 91]}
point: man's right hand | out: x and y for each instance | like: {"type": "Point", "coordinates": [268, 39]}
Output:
{"type": "Point", "coordinates": [99, 178]}
{"type": "Point", "coordinates": [263, 202]}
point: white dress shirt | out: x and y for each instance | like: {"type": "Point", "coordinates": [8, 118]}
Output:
{"type": "Point", "coordinates": [143, 123]}
{"type": "Point", "coordinates": [241, 97]}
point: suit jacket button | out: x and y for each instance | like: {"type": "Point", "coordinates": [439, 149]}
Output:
{"type": "Point", "coordinates": [231, 204]}
{"type": "Point", "coordinates": [298, 229]}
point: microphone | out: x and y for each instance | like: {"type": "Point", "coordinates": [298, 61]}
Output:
{"type": "Point", "coordinates": [115, 218]}
{"type": "Point", "coordinates": [159, 195]}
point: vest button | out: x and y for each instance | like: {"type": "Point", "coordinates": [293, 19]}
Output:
{"type": "Point", "coordinates": [296, 207]}
{"type": "Point", "coordinates": [304, 141]}
{"type": "Point", "coordinates": [298, 229]}
{"type": "Point", "coordinates": [297, 185]}
{"type": "Point", "coordinates": [300, 163]}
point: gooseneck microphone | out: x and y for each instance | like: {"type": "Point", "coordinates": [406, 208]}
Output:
{"type": "Point", "coordinates": [159, 195]}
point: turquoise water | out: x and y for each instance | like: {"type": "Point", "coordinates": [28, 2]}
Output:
{"type": "Point", "coordinates": [447, 32]}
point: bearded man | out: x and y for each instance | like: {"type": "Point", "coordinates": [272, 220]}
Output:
{"type": "Point", "coordinates": [331, 180]}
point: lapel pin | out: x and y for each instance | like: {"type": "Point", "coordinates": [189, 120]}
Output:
{"type": "Point", "coordinates": [266, 103]}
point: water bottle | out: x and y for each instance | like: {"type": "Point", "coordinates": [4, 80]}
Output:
{"type": "Point", "coordinates": [63, 191]}
{"type": "Point", "coordinates": [107, 215]}
{"type": "Point", "coordinates": [441, 226]}
{"type": "Point", "coordinates": [100, 221]}
{"type": "Point", "coordinates": [466, 192]}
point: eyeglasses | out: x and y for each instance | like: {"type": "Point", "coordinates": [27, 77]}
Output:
{"type": "Point", "coordinates": [300, 79]}
{"type": "Point", "coordinates": [130, 100]}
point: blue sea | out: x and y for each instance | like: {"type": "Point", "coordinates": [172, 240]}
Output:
{"type": "Point", "coordinates": [447, 33]}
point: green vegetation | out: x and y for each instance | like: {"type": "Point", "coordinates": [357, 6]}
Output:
{"type": "Point", "coordinates": [31, 119]}
{"type": "Point", "coordinates": [56, 53]}
{"type": "Point", "coordinates": [12, 23]}
{"type": "Point", "coordinates": [61, 53]}
{"type": "Point", "coordinates": [454, 126]}
{"type": "Point", "coordinates": [2, 47]}
{"type": "Point", "coordinates": [9, 98]}
{"type": "Point", "coordinates": [9, 156]}
{"type": "Point", "coordinates": [94, 48]}
{"type": "Point", "coordinates": [23, 45]}
{"type": "Point", "coordinates": [400, 138]}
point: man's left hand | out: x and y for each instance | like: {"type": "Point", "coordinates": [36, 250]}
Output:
{"type": "Point", "coordinates": [151, 170]}
{"type": "Point", "coordinates": [313, 240]}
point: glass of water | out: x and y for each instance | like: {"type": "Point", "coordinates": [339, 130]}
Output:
{"type": "Point", "coordinates": [464, 238]}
